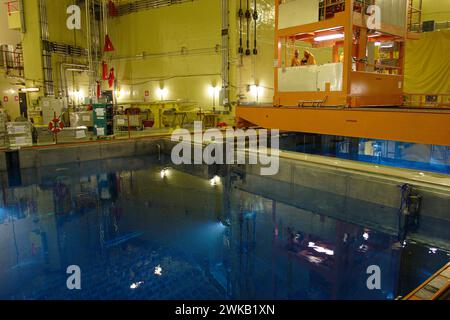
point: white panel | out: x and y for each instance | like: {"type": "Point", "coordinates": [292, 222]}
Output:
{"type": "Point", "coordinates": [393, 12]}
{"type": "Point", "coordinates": [298, 12]}
{"type": "Point", "coordinates": [297, 79]}
{"type": "Point", "coordinates": [332, 73]}
{"type": "Point", "coordinates": [310, 78]}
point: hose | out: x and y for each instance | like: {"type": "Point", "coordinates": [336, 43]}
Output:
{"type": "Point", "coordinates": [248, 16]}
{"type": "Point", "coordinates": [255, 19]}
{"type": "Point", "coordinates": [241, 18]}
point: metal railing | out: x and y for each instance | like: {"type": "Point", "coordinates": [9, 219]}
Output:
{"type": "Point", "coordinates": [427, 100]}
{"type": "Point", "coordinates": [11, 59]}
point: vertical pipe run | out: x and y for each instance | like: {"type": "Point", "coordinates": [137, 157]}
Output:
{"type": "Point", "coordinates": [241, 25]}
{"type": "Point", "coordinates": [49, 89]}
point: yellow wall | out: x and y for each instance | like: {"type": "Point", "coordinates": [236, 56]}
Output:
{"type": "Point", "coordinates": [438, 10]}
{"type": "Point", "coordinates": [427, 66]}
{"type": "Point", "coordinates": [161, 34]}
{"type": "Point", "coordinates": [8, 89]}
{"type": "Point", "coordinates": [194, 25]}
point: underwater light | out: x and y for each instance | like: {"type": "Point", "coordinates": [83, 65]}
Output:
{"type": "Point", "coordinates": [225, 222]}
{"type": "Point", "coordinates": [215, 181]}
{"type": "Point", "coordinates": [136, 285]}
{"type": "Point", "coordinates": [164, 172]}
{"type": "Point", "coordinates": [158, 270]}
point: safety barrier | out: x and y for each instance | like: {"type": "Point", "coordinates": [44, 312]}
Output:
{"type": "Point", "coordinates": [427, 100]}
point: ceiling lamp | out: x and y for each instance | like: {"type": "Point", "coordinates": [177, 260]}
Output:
{"type": "Point", "coordinates": [329, 37]}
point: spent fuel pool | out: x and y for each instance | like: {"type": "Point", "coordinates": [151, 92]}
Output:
{"type": "Point", "coordinates": [139, 228]}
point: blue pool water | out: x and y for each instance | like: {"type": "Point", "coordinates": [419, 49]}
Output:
{"type": "Point", "coordinates": [413, 156]}
{"type": "Point", "coordinates": [139, 233]}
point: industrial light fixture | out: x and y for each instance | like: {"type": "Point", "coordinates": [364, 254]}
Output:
{"type": "Point", "coordinates": [79, 94]}
{"type": "Point", "coordinates": [378, 43]}
{"type": "Point", "coordinates": [256, 91]}
{"type": "Point", "coordinates": [329, 37]}
{"type": "Point", "coordinates": [162, 93]}
{"type": "Point", "coordinates": [30, 89]}
{"type": "Point", "coordinates": [387, 45]}
{"type": "Point", "coordinates": [213, 91]}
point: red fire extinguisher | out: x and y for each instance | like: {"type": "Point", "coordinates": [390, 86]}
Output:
{"type": "Point", "coordinates": [111, 78]}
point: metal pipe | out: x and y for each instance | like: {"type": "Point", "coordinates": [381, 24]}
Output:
{"type": "Point", "coordinates": [46, 55]}
{"type": "Point", "coordinates": [248, 17]}
{"type": "Point", "coordinates": [241, 18]}
{"type": "Point", "coordinates": [88, 43]}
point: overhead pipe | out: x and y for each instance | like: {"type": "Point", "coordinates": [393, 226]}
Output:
{"type": "Point", "coordinates": [184, 52]}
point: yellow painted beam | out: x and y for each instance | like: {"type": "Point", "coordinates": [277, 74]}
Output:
{"type": "Point", "coordinates": [407, 125]}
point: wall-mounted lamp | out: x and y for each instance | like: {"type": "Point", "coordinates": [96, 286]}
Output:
{"type": "Point", "coordinates": [256, 91]}
{"type": "Point", "coordinates": [213, 91]}
{"type": "Point", "coordinates": [162, 93]}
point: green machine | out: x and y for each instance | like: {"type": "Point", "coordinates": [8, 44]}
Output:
{"type": "Point", "coordinates": [103, 119]}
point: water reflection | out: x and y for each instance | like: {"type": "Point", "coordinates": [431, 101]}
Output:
{"type": "Point", "coordinates": [138, 234]}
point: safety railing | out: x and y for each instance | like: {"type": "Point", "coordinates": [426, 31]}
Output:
{"type": "Point", "coordinates": [427, 100]}
{"type": "Point", "coordinates": [11, 59]}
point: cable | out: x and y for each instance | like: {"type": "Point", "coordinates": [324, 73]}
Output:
{"type": "Point", "coordinates": [248, 16]}
{"type": "Point", "coordinates": [241, 17]}
{"type": "Point", "coordinates": [255, 19]}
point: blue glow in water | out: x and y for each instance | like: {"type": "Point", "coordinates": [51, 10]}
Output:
{"type": "Point", "coordinates": [383, 152]}
{"type": "Point", "coordinates": [137, 235]}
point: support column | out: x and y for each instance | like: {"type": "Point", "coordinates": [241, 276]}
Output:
{"type": "Point", "coordinates": [32, 48]}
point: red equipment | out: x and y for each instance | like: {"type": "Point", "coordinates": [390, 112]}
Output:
{"type": "Point", "coordinates": [56, 125]}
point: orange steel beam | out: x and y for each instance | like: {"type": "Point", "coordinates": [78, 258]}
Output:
{"type": "Point", "coordinates": [406, 125]}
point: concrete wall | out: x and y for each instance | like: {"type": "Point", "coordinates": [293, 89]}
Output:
{"type": "Point", "coordinates": [48, 156]}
